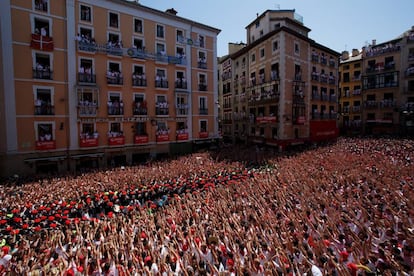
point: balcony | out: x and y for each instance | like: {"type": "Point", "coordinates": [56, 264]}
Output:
{"type": "Point", "coordinates": [43, 144]}
{"type": "Point", "coordinates": [387, 103]}
{"type": "Point", "coordinates": [161, 82]}
{"type": "Point", "coordinates": [87, 109]}
{"type": "Point", "coordinates": [116, 140]}
{"type": "Point", "coordinates": [370, 104]}
{"type": "Point", "coordinates": [346, 109]}
{"type": "Point", "coordinates": [202, 87]}
{"type": "Point", "coordinates": [115, 78]}
{"type": "Point", "coordinates": [161, 109]}
{"type": "Point", "coordinates": [182, 135]}
{"type": "Point", "coordinates": [161, 58]}
{"type": "Point", "coordinates": [324, 97]}
{"type": "Point", "coordinates": [141, 139]}
{"type": "Point", "coordinates": [182, 109]}
{"type": "Point", "coordinates": [298, 77]}
{"type": "Point", "coordinates": [266, 120]}
{"type": "Point", "coordinates": [389, 66]}
{"type": "Point", "coordinates": [376, 51]}
{"type": "Point", "coordinates": [332, 63]}
{"type": "Point", "coordinates": [115, 109]}
{"type": "Point", "coordinates": [203, 111]}
{"type": "Point", "coordinates": [139, 80]}
{"type": "Point", "coordinates": [86, 78]}
{"type": "Point", "coordinates": [202, 64]}
{"type": "Point", "coordinates": [87, 46]}
{"type": "Point", "coordinates": [88, 140]}
{"type": "Point", "coordinates": [409, 72]}
{"type": "Point", "coordinates": [332, 80]}
{"type": "Point", "coordinates": [44, 109]}
{"type": "Point", "coordinates": [42, 73]}
{"type": "Point", "coordinates": [181, 84]}
{"type": "Point", "coordinates": [114, 50]}
{"type": "Point", "coordinates": [333, 98]}
{"type": "Point", "coordinates": [316, 96]}
{"type": "Point", "coordinates": [356, 78]}
{"type": "Point", "coordinates": [356, 109]}
{"type": "Point", "coordinates": [323, 78]}
{"type": "Point", "coordinates": [315, 76]}
{"type": "Point", "coordinates": [324, 60]}
{"type": "Point", "coordinates": [42, 43]}
{"type": "Point", "coordinates": [162, 136]}
{"type": "Point", "coordinates": [315, 57]}
{"type": "Point", "coordinates": [139, 108]}
{"type": "Point", "coordinates": [203, 134]}
{"type": "Point", "coordinates": [356, 92]}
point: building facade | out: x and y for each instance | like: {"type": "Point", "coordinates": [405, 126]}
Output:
{"type": "Point", "coordinates": [98, 83]}
{"type": "Point", "coordinates": [281, 88]}
{"type": "Point", "coordinates": [350, 93]}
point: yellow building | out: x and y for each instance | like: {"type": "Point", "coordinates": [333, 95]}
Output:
{"type": "Point", "coordinates": [97, 83]}
{"type": "Point", "coordinates": [350, 96]}
{"type": "Point", "coordinates": [281, 88]}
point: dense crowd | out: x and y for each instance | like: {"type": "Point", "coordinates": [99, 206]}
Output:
{"type": "Point", "coordinates": [341, 209]}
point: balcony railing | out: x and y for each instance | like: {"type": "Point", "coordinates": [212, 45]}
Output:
{"type": "Point", "coordinates": [139, 80]}
{"type": "Point", "coordinates": [181, 84]}
{"type": "Point", "coordinates": [161, 109]}
{"type": "Point", "coordinates": [182, 109]}
{"type": "Point", "coordinates": [87, 46]}
{"type": "Point", "coordinates": [87, 109]}
{"type": "Point", "coordinates": [375, 51]}
{"type": "Point", "coordinates": [324, 78]}
{"type": "Point", "coordinates": [203, 111]}
{"type": "Point", "coordinates": [333, 98]}
{"type": "Point", "coordinates": [346, 109]}
{"type": "Point", "coordinates": [332, 63]}
{"type": "Point", "coordinates": [161, 83]}
{"type": "Point", "coordinates": [315, 57]}
{"type": "Point", "coordinates": [44, 109]}
{"type": "Point", "coordinates": [332, 80]}
{"type": "Point", "coordinates": [356, 108]}
{"type": "Point", "coordinates": [44, 74]}
{"type": "Point", "coordinates": [161, 58]}
{"type": "Point", "coordinates": [409, 72]}
{"type": "Point", "coordinates": [316, 96]}
{"type": "Point", "coordinates": [86, 78]}
{"type": "Point", "coordinates": [202, 87]}
{"type": "Point", "coordinates": [115, 109]}
{"type": "Point", "coordinates": [388, 103]}
{"type": "Point", "coordinates": [139, 108]}
{"type": "Point", "coordinates": [315, 76]}
{"type": "Point", "coordinates": [115, 79]}
{"type": "Point", "coordinates": [371, 104]}
{"type": "Point", "coordinates": [356, 92]}
{"type": "Point", "coordinates": [43, 43]}
{"type": "Point", "coordinates": [202, 65]}
{"type": "Point", "coordinates": [324, 60]}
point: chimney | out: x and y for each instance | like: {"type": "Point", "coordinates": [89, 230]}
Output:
{"type": "Point", "coordinates": [374, 42]}
{"type": "Point", "coordinates": [345, 55]}
{"type": "Point", "coordinates": [355, 52]}
{"type": "Point", "coordinates": [171, 11]}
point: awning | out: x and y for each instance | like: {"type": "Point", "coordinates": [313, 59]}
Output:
{"type": "Point", "coordinates": [50, 158]}
{"type": "Point", "coordinates": [92, 155]}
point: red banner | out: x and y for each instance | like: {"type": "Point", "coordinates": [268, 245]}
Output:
{"type": "Point", "coordinates": [163, 138]}
{"type": "Point", "coordinates": [182, 136]}
{"type": "Point", "coordinates": [141, 139]}
{"type": "Point", "coordinates": [39, 42]}
{"type": "Point", "coordinates": [116, 141]}
{"type": "Point", "coordinates": [323, 130]}
{"type": "Point", "coordinates": [203, 134]}
{"type": "Point", "coordinates": [45, 145]}
{"type": "Point", "coordinates": [300, 120]}
{"type": "Point", "coordinates": [265, 119]}
{"type": "Point", "coordinates": [89, 142]}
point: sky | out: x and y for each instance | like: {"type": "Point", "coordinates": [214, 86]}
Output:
{"type": "Point", "coordinates": [337, 24]}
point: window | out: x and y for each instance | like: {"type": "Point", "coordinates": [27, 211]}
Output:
{"type": "Point", "coordinates": [203, 126]}
{"type": "Point", "coordinates": [114, 40]}
{"type": "Point", "coordinates": [114, 74]}
{"type": "Point", "coordinates": [161, 49]}
{"type": "Point", "coordinates": [42, 26]}
{"type": "Point", "coordinates": [201, 41]}
{"type": "Point", "coordinates": [86, 34]}
{"type": "Point", "coordinates": [180, 52]}
{"type": "Point", "coordinates": [275, 45]}
{"type": "Point", "coordinates": [44, 131]}
{"type": "Point", "coordinates": [202, 82]}
{"type": "Point", "coordinates": [253, 58]}
{"type": "Point", "coordinates": [113, 20]}
{"type": "Point", "coordinates": [261, 33]}
{"type": "Point", "coordinates": [85, 13]}
{"type": "Point", "coordinates": [139, 105]}
{"type": "Point", "coordinates": [42, 67]}
{"type": "Point", "coordinates": [88, 130]}
{"type": "Point", "coordinates": [297, 49]}
{"type": "Point", "coordinates": [141, 128]}
{"type": "Point", "coordinates": [262, 53]}
{"type": "Point", "coordinates": [357, 65]}
{"type": "Point", "coordinates": [202, 60]}
{"type": "Point", "coordinates": [138, 26]}
{"type": "Point", "coordinates": [180, 36]}
{"type": "Point", "coordinates": [257, 24]}
{"type": "Point", "coordinates": [115, 129]}
{"type": "Point", "coordinates": [41, 5]}
{"type": "Point", "coordinates": [160, 31]}
{"type": "Point", "coordinates": [277, 26]}
{"type": "Point", "coordinates": [44, 101]}
{"type": "Point", "coordinates": [138, 43]}
{"type": "Point", "coordinates": [162, 128]}
{"type": "Point", "coordinates": [115, 104]}
{"type": "Point", "coordinates": [180, 81]}
{"type": "Point", "coordinates": [85, 71]}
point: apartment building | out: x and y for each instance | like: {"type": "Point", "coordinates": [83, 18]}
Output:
{"type": "Point", "coordinates": [388, 86]}
{"type": "Point", "coordinates": [281, 88]}
{"type": "Point", "coordinates": [350, 93]}
{"type": "Point", "coordinates": [101, 83]}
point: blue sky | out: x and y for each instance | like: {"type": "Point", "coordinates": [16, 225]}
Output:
{"type": "Point", "coordinates": [337, 24]}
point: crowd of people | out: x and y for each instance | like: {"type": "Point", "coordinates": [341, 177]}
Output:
{"type": "Point", "coordinates": [341, 209]}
